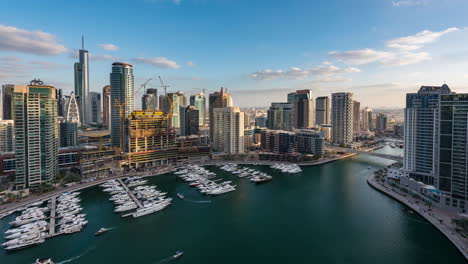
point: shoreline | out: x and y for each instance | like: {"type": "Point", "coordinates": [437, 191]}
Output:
{"type": "Point", "coordinates": [15, 205]}
{"type": "Point", "coordinates": [460, 243]}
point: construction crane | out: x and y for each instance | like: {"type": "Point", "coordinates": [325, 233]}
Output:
{"type": "Point", "coordinates": [121, 110]}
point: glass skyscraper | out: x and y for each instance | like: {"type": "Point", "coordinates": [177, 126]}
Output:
{"type": "Point", "coordinates": [82, 85]}
{"type": "Point", "coordinates": [199, 102]}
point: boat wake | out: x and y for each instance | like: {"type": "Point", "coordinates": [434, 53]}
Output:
{"type": "Point", "coordinates": [198, 201]}
{"type": "Point", "coordinates": [77, 257]}
{"type": "Point", "coordinates": [165, 260]}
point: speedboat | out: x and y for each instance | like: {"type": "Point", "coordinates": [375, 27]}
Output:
{"type": "Point", "coordinates": [44, 261]}
{"type": "Point", "coordinates": [178, 254]}
{"type": "Point", "coordinates": [101, 231]}
{"type": "Point", "coordinates": [181, 196]}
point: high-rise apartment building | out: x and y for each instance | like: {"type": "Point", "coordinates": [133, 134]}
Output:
{"type": "Point", "coordinates": [106, 106]}
{"type": "Point", "coordinates": [7, 143]}
{"type": "Point", "coordinates": [228, 130]}
{"type": "Point", "coordinates": [280, 116]}
{"type": "Point", "coordinates": [95, 105]}
{"type": "Point", "coordinates": [165, 105]}
{"type": "Point", "coordinates": [303, 109]}
{"type": "Point", "coordinates": [7, 102]}
{"type": "Point", "coordinates": [60, 102]}
{"type": "Point", "coordinates": [261, 121]}
{"type": "Point", "coordinates": [82, 84]}
{"type": "Point", "coordinates": [421, 114]}
{"type": "Point", "coordinates": [68, 133]}
{"type": "Point", "coordinates": [189, 120]}
{"type": "Point", "coordinates": [199, 101]}
{"type": "Point", "coordinates": [122, 93]}
{"type": "Point", "coordinates": [381, 122]}
{"type": "Point", "coordinates": [217, 100]}
{"type": "Point", "coordinates": [149, 101]}
{"type": "Point", "coordinates": [342, 118]}
{"type": "Point", "coordinates": [36, 134]}
{"type": "Point", "coordinates": [322, 110]}
{"type": "Point", "coordinates": [356, 116]}
{"type": "Point", "coordinates": [366, 119]}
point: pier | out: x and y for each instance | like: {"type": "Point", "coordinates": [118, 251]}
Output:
{"type": "Point", "coordinates": [140, 205]}
{"type": "Point", "coordinates": [53, 202]}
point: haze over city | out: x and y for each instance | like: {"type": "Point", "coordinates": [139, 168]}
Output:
{"type": "Point", "coordinates": [366, 47]}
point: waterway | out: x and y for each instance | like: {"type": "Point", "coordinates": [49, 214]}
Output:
{"type": "Point", "coordinates": [326, 214]}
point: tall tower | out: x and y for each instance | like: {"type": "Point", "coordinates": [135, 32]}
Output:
{"type": "Point", "coordinates": [356, 116]}
{"type": "Point", "coordinates": [106, 106]}
{"type": "Point", "coordinates": [217, 100]}
{"type": "Point", "coordinates": [122, 92]}
{"type": "Point", "coordinates": [82, 84]}
{"type": "Point", "coordinates": [228, 130]}
{"type": "Point", "coordinates": [149, 101]}
{"type": "Point", "coordinates": [95, 105]}
{"type": "Point", "coordinates": [322, 110]}
{"type": "Point", "coordinates": [35, 145]}
{"type": "Point", "coordinates": [303, 108]}
{"type": "Point", "coordinates": [342, 118]}
{"type": "Point", "coordinates": [199, 101]}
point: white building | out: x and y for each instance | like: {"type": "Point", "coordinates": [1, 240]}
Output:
{"type": "Point", "coordinates": [228, 130]}
{"type": "Point", "coordinates": [6, 136]}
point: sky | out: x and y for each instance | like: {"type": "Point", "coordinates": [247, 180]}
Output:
{"type": "Point", "coordinates": [259, 49]}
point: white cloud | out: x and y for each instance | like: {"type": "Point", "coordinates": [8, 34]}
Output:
{"type": "Point", "coordinates": [110, 47]}
{"type": "Point", "coordinates": [417, 41]}
{"type": "Point", "coordinates": [409, 3]}
{"type": "Point", "coordinates": [159, 62]}
{"type": "Point", "coordinates": [73, 54]}
{"type": "Point", "coordinates": [34, 42]}
{"type": "Point", "coordinates": [366, 56]}
{"type": "Point", "coordinates": [190, 63]}
{"type": "Point", "coordinates": [322, 72]}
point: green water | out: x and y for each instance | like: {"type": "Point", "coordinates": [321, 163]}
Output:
{"type": "Point", "coordinates": [326, 214]}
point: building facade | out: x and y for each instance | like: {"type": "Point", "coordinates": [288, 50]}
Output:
{"type": "Point", "coordinates": [356, 116]}
{"type": "Point", "coordinates": [189, 120]}
{"type": "Point", "coordinates": [82, 85]}
{"type": "Point", "coordinates": [122, 95]}
{"type": "Point", "coordinates": [36, 134]}
{"type": "Point", "coordinates": [106, 106]}
{"type": "Point", "coordinates": [95, 106]}
{"type": "Point", "coordinates": [366, 119]}
{"type": "Point", "coordinates": [303, 109]}
{"type": "Point", "coordinates": [217, 100]}
{"type": "Point", "coordinates": [322, 110]}
{"type": "Point", "coordinates": [7, 102]}
{"type": "Point", "coordinates": [165, 102]}
{"type": "Point", "coordinates": [381, 122]}
{"type": "Point", "coordinates": [7, 142]}
{"type": "Point", "coordinates": [342, 118]}
{"type": "Point", "coordinates": [199, 102]}
{"type": "Point", "coordinates": [228, 130]}
{"type": "Point", "coordinates": [149, 101]}
{"type": "Point", "coordinates": [280, 116]}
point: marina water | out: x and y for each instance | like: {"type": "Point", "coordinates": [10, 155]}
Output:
{"type": "Point", "coordinates": [325, 214]}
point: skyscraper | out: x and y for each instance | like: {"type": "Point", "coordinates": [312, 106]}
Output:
{"type": "Point", "coordinates": [217, 100]}
{"type": "Point", "coordinates": [60, 102]}
{"type": "Point", "coordinates": [82, 84]}
{"type": "Point", "coordinates": [7, 102]}
{"type": "Point", "coordinates": [366, 119]}
{"type": "Point", "coordinates": [106, 106]}
{"type": "Point", "coordinates": [165, 106]}
{"type": "Point", "coordinates": [7, 143]}
{"type": "Point", "coordinates": [189, 121]}
{"type": "Point", "coordinates": [279, 116]}
{"type": "Point", "coordinates": [342, 118]}
{"type": "Point", "coordinates": [322, 110]}
{"type": "Point", "coordinates": [149, 101]}
{"type": "Point", "coordinates": [72, 112]}
{"type": "Point", "coordinates": [68, 133]}
{"type": "Point", "coordinates": [95, 105]}
{"type": "Point", "coordinates": [421, 113]}
{"type": "Point", "coordinates": [182, 98]}
{"type": "Point", "coordinates": [381, 122]}
{"type": "Point", "coordinates": [303, 108]}
{"type": "Point", "coordinates": [122, 91]}
{"type": "Point", "coordinates": [199, 101]}
{"type": "Point", "coordinates": [36, 133]}
{"type": "Point", "coordinates": [228, 132]}
{"type": "Point", "coordinates": [356, 116]}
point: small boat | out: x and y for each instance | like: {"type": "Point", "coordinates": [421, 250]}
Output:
{"type": "Point", "coordinates": [180, 196]}
{"type": "Point", "coordinates": [101, 231]}
{"type": "Point", "coordinates": [178, 254]}
{"type": "Point", "coordinates": [44, 261]}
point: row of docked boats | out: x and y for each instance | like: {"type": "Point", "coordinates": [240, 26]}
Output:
{"type": "Point", "coordinates": [204, 181]}
{"type": "Point", "coordinates": [251, 174]}
{"type": "Point", "coordinates": [68, 211]}
{"type": "Point", "coordinates": [286, 168]}
{"type": "Point", "coordinates": [145, 199]}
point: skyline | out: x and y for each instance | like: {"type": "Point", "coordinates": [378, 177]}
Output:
{"type": "Point", "coordinates": [390, 47]}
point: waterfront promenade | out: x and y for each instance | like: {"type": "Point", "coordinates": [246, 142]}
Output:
{"type": "Point", "coordinates": [438, 217]}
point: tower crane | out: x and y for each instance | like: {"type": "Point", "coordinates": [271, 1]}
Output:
{"type": "Point", "coordinates": [121, 106]}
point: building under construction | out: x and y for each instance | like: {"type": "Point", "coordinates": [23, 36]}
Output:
{"type": "Point", "coordinates": [152, 140]}
{"type": "Point", "coordinates": [194, 147]}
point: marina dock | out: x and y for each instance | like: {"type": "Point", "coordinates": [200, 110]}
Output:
{"type": "Point", "coordinates": [53, 202]}
{"type": "Point", "coordinates": [130, 193]}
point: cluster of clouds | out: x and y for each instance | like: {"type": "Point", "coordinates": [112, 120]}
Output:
{"type": "Point", "coordinates": [409, 3]}
{"type": "Point", "coordinates": [322, 72]}
{"type": "Point", "coordinates": [401, 51]}
{"type": "Point", "coordinates": [42, 43]}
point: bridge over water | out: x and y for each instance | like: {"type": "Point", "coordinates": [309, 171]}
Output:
{"type": "Point", "coordinates": [370, 153]}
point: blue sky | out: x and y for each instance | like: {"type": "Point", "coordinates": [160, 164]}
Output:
{"type": "Point", "coordinates": [260, 50]}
